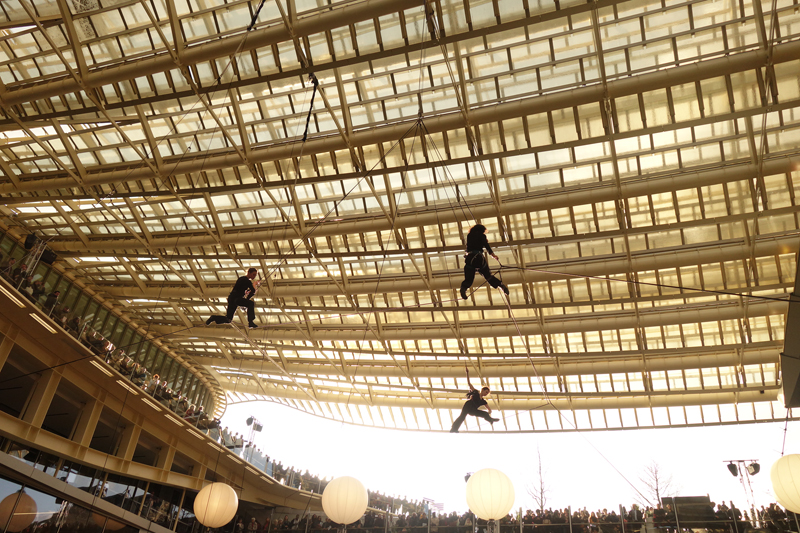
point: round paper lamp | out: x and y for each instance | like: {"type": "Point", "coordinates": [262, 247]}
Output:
{"type": "Point", "coordinates": [24, 513]}
{"type": "Point", "coordinates": [785, 476]}
{"type": "Point", "coordinates": [490, 494]}
{"type": "Point", "coordinates": [344, 500]}
{"type": "Point", "coordinates": [215, 505]}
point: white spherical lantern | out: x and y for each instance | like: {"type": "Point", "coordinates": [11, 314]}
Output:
{"type": "Point", "coordinates": [490, 494]}
{"type": "Point", "coordinates": [345, 500]}
{"type": "Point", "coordinates": [24, 511]}
{"type": "Point", "coordinates": [215, 505]}
{"type": "Point", "coordinates": [785, 476]}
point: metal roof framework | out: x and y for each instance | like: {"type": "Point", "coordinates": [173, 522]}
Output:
{"type": "Point", "coordinates": [634, 162]}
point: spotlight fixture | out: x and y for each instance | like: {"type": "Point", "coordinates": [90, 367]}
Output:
{"type": "Point", "coordinates": [250, 421]}
{"type": "Point", "coordinates": [466, 478]}
{"type": "Point", "coordinates": [753, 468]}
{"type": "Point", "coordinates": [733, 469]}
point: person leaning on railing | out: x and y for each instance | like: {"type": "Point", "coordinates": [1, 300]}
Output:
{"type": "Point", "coordinates": [19, 274]}
{"type": "Point", "coordinates": [183, 405]}
{"type": "Point", "coordinates": [139, 375]}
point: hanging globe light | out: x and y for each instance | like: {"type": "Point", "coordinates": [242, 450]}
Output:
{"type": "Point", "coordinates": [785, 476]}
{"type": "Point", "coordinates": [24, 511]}
{"type": "Point", "coordinates": [490, 494]}
{"type": "Point", "coordinates": [215, 505]}
{"type": "Point", "coordinates": [344, 500]}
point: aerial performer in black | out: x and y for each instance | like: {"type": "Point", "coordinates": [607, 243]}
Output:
{"type": "Point", "coordinates": [476, 399]}
{"type": "Point", "coordinates": [474, 260]}
{"type": "Point", "coordinates": [241, 295]}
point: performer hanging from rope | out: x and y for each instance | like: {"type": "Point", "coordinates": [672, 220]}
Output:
{"type": "Point", "coordinates": [241, 295]}
{"type": "Point", "coordinates": [475, 261]}
{"type": "Point", "coordinates": [476, 399]}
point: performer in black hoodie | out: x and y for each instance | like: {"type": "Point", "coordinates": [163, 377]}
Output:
{"type": "Point", "coordinates": [241, 295]}
{"type": "Point", "coordinates": [474, 260]}
{"type": "Point", "coordinates": [471, 406]}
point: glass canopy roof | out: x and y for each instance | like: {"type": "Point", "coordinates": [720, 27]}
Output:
{"type": "Point", "coordinates": [635, 163]}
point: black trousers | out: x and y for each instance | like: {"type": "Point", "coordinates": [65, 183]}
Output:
{"type": "Point", "coordinates": [469, 409]}
{"type": "Point", "coordinates": [233, 305]}
{"type": "Point", "coordinates": [476, 262]}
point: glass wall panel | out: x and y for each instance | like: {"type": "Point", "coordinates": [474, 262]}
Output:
{"type": "Point", "coordinates": [173, 372]}
{"type": "Point", "coordinates": [180, 378]}
{"type": "Point", "coordinates": [7, 488]}
{"type": "Point", "coordinates": [48, 510]}
{"type": "Point", "coordinates": [161, 504]}
{"type": "Point", "coordinates": [124, 492]}
{"type": "Point", "coordinates": [151, 355]}
{"type": "Point", "coordinates": [192, 389]}
{"type": "Point", "coordinates": [90, 312]}
{"type": "Point", "coordinates": [80, 305]}
{"type": "Point", "coordinates": [135, 345]}
{"type": "Point", "coordinates": [6, 244]}
{"type": "Point", "coordinates": [69, 293]}
{"type": "Point", "coordinates": [125, 341]}
{"type": "Point", "coordinates": [186, 518]}
{"type": "Point", "coordinates": [157, 363]}
{"type": "Point", "coordinates": [108, 327]}
{"type": "Point", "coordinates": [41, 271]}
{"type": "Point", "coordinates": [51, 280]}
{"type": "Point", "coordinates": [99, 318]}
{"type": "Point", "coordinates": [116, 334]}
{"type": "Point", "coordinates": [46, 463]}
{"type": "Point", "coordinates": [80, 476]}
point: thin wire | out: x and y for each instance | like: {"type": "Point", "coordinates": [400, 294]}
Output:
{"type": "Point", "coordinates": [378, 282]}
{"type": "Point", "coordinates": [338, 202]}
{"type": "Point", "coordinates": [543, 385]}
{"type": "Point", "coordinates": [785, 429]}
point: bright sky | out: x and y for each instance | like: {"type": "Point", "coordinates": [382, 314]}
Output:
{"type": "Point", "coordinates": [589, 469]}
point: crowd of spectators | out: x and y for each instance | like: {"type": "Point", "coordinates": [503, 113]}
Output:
{"type": "Point", "coordinates": [16, 273]}
{"type": "Point", "coordinates": [153, 385]}
{"type": "Point", "coordinates": [721, 518]}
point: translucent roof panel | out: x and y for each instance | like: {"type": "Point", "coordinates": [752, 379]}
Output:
{"type": "Point", "coordinates": [636, 164]}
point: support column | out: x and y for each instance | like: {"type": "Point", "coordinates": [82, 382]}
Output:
{"type": "Point", "coordinates": [7, 344]}
{"type": "Point", "coordinates": [164, 460]}
{"type": "Point", "coordinates": [84, 428]}
{"type": "Point", "coordinates": [128, 440]}
{"type": "Point", "coordinates": [42, 395]}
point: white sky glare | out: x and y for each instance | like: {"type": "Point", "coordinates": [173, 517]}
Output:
{"type": "Point", "coordinates": [587, 469]}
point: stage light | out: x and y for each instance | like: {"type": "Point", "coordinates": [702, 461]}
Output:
{"type": "Point", "coordinates": [733, 469]}
{"type": "Point", "coordinates": [466, 478]}
{"type": "Point", "coordinates": [753, 468]}
{"type": "Point", "coordinates": [250, 421]}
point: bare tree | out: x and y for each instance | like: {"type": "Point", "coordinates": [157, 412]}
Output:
{"type": "Point", "coordinates": [657, 485]}
{"type": "Point", "coordinates": [539, 490]}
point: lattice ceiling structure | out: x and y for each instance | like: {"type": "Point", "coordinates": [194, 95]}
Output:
{"type": "Point", "coordinates": [635, 162]}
